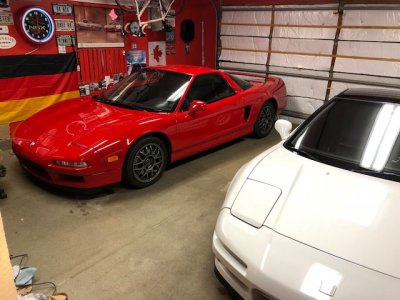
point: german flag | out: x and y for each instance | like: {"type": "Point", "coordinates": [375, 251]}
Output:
{"type": "Point", "coordinates": [30, 83]}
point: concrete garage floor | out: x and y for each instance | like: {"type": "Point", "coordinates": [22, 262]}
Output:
{"type": "Point", "coordinates": [153, 243]}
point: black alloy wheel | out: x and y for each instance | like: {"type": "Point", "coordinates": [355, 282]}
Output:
{"type": "Point", "coordinates": [265, 120]}
{"type": "Point", "coordinates": [145, 162]}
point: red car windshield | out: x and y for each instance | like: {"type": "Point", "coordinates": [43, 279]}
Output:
{"type": "Point", "coordinates": [148, 90]}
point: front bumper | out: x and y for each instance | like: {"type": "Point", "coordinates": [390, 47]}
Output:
{"type": "Point", "coordinates": [85, 178]}
{"type": "Point", "coordinates": [262, 264]}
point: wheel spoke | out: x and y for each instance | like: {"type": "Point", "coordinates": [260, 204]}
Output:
{"type": "Point", "coordinates": [147, 164]}
{"type": "Point", "coordinates": [265, 121]}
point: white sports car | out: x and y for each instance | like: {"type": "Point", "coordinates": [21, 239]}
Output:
{"type": "Point", "coordinates": [318, 215]}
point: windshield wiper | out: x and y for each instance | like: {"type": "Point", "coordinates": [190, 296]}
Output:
{"type": "Point", "coordinates": [302, 153]}
{"type": "Point", "coordinates": [144, 108]}
{"type": "Point", "coordinates": [156, 109]}
{"type": "Point", "coordinates": [101, 98]}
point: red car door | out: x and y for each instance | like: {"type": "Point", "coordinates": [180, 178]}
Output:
{"type": "Point", "coordinates": [204, 129]}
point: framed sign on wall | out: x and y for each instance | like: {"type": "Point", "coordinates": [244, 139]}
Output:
{"type": "Point", "coordinates": [64, 25]}
{"type": "Point", "coordinates": [62, 9]}
{"type": "Point", "coordinates": [97, 28]}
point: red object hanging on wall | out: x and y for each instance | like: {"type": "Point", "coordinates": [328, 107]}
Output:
{"type": "Point", "coordinates": [96, 63]}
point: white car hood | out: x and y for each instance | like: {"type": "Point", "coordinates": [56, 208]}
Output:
{"type": "Point", "coordinates": [349, 215]}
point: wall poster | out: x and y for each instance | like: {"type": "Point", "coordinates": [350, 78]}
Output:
{"type": "Point", "coordinates": [136, 60]}
{"type": "Point", "coordinates": [98, 27]}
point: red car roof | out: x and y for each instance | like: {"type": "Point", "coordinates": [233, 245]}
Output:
{"type": "Point", "coordinates": [190, 70]}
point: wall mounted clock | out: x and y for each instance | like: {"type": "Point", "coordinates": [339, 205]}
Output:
{"type": "Point", "coordinates": [37, 25]}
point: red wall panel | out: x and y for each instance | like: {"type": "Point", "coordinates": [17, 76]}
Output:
{"type": "Point", "coordinates": [96, 63]}
{"type": "Point", "coordinates": [197, 11]}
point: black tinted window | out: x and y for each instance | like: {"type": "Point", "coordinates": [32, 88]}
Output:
{"type": "Point", "coordinates": [356, 135]}
{"type": "Point", "coordinates": [244, 84]}
{"type": "Point", "coordinates": [208, 88]}
{"type": "Point", "coordinates": [148, 89]}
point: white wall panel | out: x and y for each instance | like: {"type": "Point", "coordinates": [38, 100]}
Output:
{"type": "Point", "coordinates": [246, 57]}
{"type": "Point", "coordinates": [304, 45]}
{"type": "Point", "coordinates": [304, 95]}
{"type": "Point", "coordinates": [261, 20]}
{"type": "Point", "coordinates": [239, 42]}
{"type": "Point", "coordinates": [305, 87]}
{"type": "Point", "coordinates": [302, 61]}
{"type": "Point", "coordinates": [300, 72]}
{"type": "Point", "coordinates": [379, 68]}
{"type": "Point", "coordinates": [379, 35]}
{"type": "Point", "coordinates": [239, 65]}
{"type": "Point", "coordinates": [305, 33]}
{"type": "Point", "coordinates": [368, 49]}
{"type": "Point", "coordinates": [245, 17]}
{"type": "Point", "coordinates": [317, 18]}
{"type": "Point", "coordinates": [303, 105]}
{"type": "Point", "coordinates": [241, 30]}
{"type": "Point", "coordinates": [306, 17]}
{"type": "Point", "coordinates": [296, 45]}
{"type": "Point", "coordinates": [371, 18]}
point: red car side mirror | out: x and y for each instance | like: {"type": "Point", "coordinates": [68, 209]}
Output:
{"type": "Point", "coordinates": [197, 106]}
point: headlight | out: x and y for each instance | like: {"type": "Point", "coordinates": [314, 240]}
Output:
{"type": "Point", "coordinates": [72, 164]}
{"type": "Point", "coordinates": [241, 176]}
{"type": "Point", "coordinates": [254, 202]}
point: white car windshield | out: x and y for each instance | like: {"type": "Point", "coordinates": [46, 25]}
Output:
{"type": "Point", "coordinates": [357, 135]}
{"type": "Point", "coordinates": [148, 90]}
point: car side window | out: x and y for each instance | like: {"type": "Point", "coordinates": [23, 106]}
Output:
{"type": "Point", "coordinates": [208, 88]}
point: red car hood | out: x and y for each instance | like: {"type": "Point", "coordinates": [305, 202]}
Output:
{"type": "Point", "coordinates": [83, 122]}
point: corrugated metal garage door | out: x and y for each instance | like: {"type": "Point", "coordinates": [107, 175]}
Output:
{"type": "Point", "coordinates": [319, 50]}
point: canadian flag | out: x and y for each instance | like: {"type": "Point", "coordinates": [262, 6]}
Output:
{"type": "Point", "coordinates": [157, 53]}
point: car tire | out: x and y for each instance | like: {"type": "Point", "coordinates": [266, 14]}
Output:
{"type": "Point", "coordinates": [265, 120]}
{"type": "Point", "coordinates": [145, 162]}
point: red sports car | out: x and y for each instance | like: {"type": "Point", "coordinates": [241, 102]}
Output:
{"type": "Point", "coordinates": [155, 116]}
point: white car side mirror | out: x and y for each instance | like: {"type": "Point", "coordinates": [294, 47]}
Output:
{"type": "Point", "coordinates": [284, 128]}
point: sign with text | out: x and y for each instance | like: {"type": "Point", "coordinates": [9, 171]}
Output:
{"type": "Point", "coordinates": [65, 25]}
{"type": "Point", "coordinates": [62, 9]}
{"type": "Point", "coordinates": [65, 40]}
{"type": "Point", "coordinates": [6, 18]}
{"type": "Point", "coordinates": [7, 42]}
